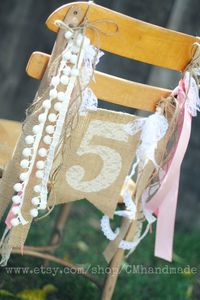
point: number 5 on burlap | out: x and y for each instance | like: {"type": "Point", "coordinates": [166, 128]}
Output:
{"type": "Point", "coordinates": [96, 161]}
{"type": "Point", "coordinates": [111, 159]}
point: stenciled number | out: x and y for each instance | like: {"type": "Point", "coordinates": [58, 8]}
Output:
{"type": "Point", "coordinates": [112, 161]}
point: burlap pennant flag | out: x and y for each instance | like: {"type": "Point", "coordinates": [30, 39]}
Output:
{"type": "Point", "coordinates": [97, 158]}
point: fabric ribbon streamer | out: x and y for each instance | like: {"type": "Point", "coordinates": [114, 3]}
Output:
{"type": "Point", "coordinates": [165, 199]}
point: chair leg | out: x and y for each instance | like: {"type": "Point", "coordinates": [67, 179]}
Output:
{"type": "Point", "coordinates": [115, 264]}
{"type": "Point", "coordinates": [111, 278]}
{"type": "Point", "coordinates": [60, 224]}
{"type": "Point", "coordinates": [58, 228]}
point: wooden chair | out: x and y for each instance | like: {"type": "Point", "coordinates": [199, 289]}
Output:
{"type": "Point", "coordinates": [134, 39]}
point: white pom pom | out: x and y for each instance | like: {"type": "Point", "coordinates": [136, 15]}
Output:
{"type": "Point", "coordinates": [43, 205]}
{"type": "Point", "coordinates": [68, 35]}
{"type": "Point", "coordinates": [46, 104]}
{"type": "Point", "coordinates": [39, 174]}
{"type": "Point", "coordinates": [29, 139]}
{"type": "Point", "coordinates": [74, 72]}
{"type": "Point", "coordinates": [40, 164]}
{"type": "Point", "coordinates": [36, 129]}
{"type": "Point", "coordinates": [37, 188]}
{"type": "Point", "coordinates": [23, 176]}
{"type": "Point", "coordinates": [57, 106]}
{"type": "Point", "coordinates": [14, 222]}
{"type": "Point", "coordinates": [42, 152]}
{"type": "Point", "coordinates": [24, 163]}
{"type": "Point", "coordinates": [49, 129]}
{"type": "Point", "coordinates": [35, 201]}
{"type": "Point", "coordinates": [16, 199]}
{"type": "Point", "coordinates": [66, 55]}
{"type": "Point", "coordinates": [26, 152]}
{"type": "Point", "coordinates": [73, 59]}
{"type": "Point", "coordinates": [61, 96]}
{"type": "Point", "coordinates": [52, 117]}
{"type": "Point", "coordinates": [34, 212]}
{"type": "Point", "coordinates": [47, 139]}
{"type": "Point", "coordinates": [17, 187]}
{"type": "Point", "coordinates": [64, 79]}
{"type": "Point", "coordinates": [42, 118]}
{"type": "Point", "coordinates": [15, 210]}
{"type": "Point", "coordinates": [55, 80]}
{"type": "Point", "coordinates": [67, 70]}
{"type": "Point", "coordinates": [53, 93]}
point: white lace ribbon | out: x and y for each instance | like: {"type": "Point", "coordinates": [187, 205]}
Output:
{"type": "Point", "coordinates": [106, 229]}
{"type": "Point", "coordinates": [90, 60]}
{"type": "Point", "coordinates": [89, 102]}
{"type": "Point", "coordinates": [193, 100]}
{"type": "Point", "coordinates": [153, 129]}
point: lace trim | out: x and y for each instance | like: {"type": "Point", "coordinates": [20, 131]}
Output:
{"type": "Point", "coordinates": [107, 231]}
{"type": "Point", "coordinates": [89, 102]}
{"type": "Point", "coordinates": [193, 100]}
{"type": "Point", "coordinates": [153, 129]}
{"type": "Point", "coordinates": [91, 58]}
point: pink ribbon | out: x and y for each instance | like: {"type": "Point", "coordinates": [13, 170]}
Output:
{"type": "Point", "coordinates": [11, 215]}
{"type": "Point", "coordinates": [165, 199]}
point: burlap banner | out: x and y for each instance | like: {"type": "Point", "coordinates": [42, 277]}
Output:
{"type": "Point", "coordinates": [96, 160]}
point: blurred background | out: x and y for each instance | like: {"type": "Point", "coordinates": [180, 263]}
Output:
{"type": "Point", "coordinates": [22, 31]}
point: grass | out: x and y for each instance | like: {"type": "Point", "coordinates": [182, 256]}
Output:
{"type": "Point", "coordinates": [83, 243]}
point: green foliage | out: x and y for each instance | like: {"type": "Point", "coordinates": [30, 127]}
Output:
{"type": "Point", "coordinates": [37, 294]}
{"type": "Point", "coordinates": [6, 294]}
{"type": "Point", "coordinates": [30, 294]}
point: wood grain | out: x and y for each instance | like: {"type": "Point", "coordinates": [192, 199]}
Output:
{"type": "Point", "coordinates": [134, 39]}
{"type": "Point", "coordinates": [108, 88]}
